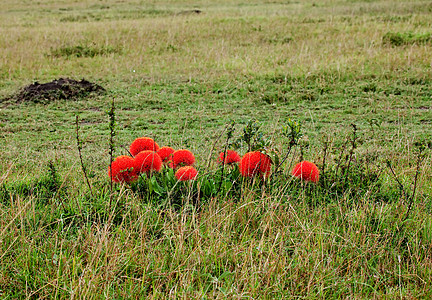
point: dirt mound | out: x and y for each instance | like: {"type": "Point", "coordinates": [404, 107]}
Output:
{"type": "Point", "coordinates": [59, 89]}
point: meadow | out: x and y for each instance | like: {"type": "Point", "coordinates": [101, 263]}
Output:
{"type": "Point", "coordinates": [355, 75]}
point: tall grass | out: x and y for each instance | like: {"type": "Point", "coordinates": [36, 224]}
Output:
{"type": "Point", "coordinates": [352, 234]}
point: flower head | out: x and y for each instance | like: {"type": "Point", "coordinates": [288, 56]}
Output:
{"type": "Point", "coordinates": [148, 161]}
{"type": "Point", "coordinates": [183, 157]}
{"type": "Point", "coordinates": [141, 144]}
{"type": "Point", "coordinates": [186, 173]}
{"type": "Point", "coordinates": [255, 163]}
{"type": "Point", "coordinates": [166, 154]}
{"type": "Point", "coordinates": [123, 169]}
{"type": "Point", "coordinates": [231, 157]}
{"type": "Point", "coordinates": [306, 170]}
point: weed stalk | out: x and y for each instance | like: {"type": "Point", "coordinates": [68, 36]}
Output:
{"type": "Point", "coordinates": [420, 156]}
{"type": "Point", "coordinates": [111, 114]}
{"type": "Point", "coordinates": [323, 168]}
{"type": "Point", "coordinates": [230, 131]}
{"type": "Point", "coordinates": [79, 147]}
{"type": "Point", "coordinates": [293, 132]}
{"type": "Point", "coordinates": [401, 187]}
{"type": "Point", "coordinates": [351, 153]}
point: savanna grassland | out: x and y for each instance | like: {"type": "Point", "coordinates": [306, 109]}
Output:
{"type": "Point", "coordinates": [357, 77]}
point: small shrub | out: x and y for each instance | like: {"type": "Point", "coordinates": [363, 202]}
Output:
{"type": "Point", "coordinates": [407, 38]}
{"type": "Point", "coordinates": [280, 40]}
{"type": "Point", "coordinates": [84, 51]}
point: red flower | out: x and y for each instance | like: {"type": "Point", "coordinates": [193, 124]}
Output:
{"type": "Point", "coordinates": [141, 144]}
{"type": "Point", "coordinates": [166, 154]}
{"type": "Point", "coordinates": [123, 169]}
{"type": "Point", "coordinates": [183, 158]}
{"type": "Point", "coordinates": [254, 163]}
{"type": "Point", "coordinates": [231, 157]}
{"type": "Point", "coordinates": [186, 173]}
{"type": "Point", "coordinates": [147, 161]}
{"type": "Point", "coordinates": [306, 170]}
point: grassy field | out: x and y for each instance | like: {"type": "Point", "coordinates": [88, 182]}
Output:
{"type": "Point", "coordinates": [357, 76]}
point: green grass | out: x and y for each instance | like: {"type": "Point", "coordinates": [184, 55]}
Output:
{"type": "Point", "coordinates": [181, 78]}
{"type": "Point", "coordinates": [407, 38]}
{"type": "Point", "coordinates": [82, 51]}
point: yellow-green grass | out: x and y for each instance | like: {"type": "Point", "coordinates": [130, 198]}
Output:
{"type": "Point", "coordinates": [180, 77]}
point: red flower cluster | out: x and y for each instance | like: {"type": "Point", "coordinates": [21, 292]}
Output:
{"type": "Point", "coordinates": [142, 144]}
{"type": "Point", "coordinates": [148, 157]}
{"type": "Point", "coordinates": [148, 161]}
{"type": "Point", "coordinates": [255, 163]}
{"type": "Point", "coordinates": [186, 173]}
{"type": "Point", "coordinates": [306, 170]}
{"type": "Point", "coordinates": [231, 157]}
{"type": "Point", "coordinates": [123, 169]}
{"type": "Point", "coordinates": [166, 154]}
{"type": "Point", "coordinates": [183, 157]}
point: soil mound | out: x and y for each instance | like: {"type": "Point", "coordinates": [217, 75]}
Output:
{"type": "Point", "coordinates": [59, 89]}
